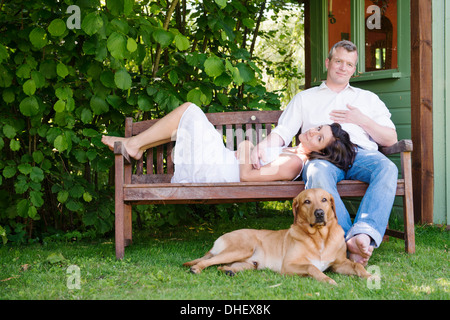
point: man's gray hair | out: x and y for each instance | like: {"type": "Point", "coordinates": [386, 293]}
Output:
{"type": "Point", "coordinates": [347, 45]}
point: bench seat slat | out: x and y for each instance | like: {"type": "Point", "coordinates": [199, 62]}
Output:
{"type": "Point", "coordinates": [242, 192]}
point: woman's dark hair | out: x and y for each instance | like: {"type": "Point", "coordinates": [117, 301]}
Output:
{"type": "Point", "coordinates": [341, 152]}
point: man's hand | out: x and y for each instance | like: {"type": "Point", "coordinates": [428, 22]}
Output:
{"type": "Point", "coordinates": [257, 153]}
{"type": "Point", "coordinates": [352, 115]}
{"type": "Point", "coordinates": [382, 135]}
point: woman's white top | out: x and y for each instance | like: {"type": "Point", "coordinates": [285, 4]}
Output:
{"type": "Point", "coordinates": [200, 155]}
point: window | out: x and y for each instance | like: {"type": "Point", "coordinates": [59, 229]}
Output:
{"type": "Point", "coordinates": [339, 21]}
{"type": "Point", "coordinates": [381, 35]}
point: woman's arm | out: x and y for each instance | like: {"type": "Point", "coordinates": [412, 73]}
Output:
{"type": "Point", "coordinates": [285, 167]}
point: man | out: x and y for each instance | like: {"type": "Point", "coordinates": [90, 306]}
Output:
{"type": "Point", "coordinates": [367, 120]}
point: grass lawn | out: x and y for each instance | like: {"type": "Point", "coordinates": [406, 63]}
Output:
{"type": "Point", "coordinates": [152, 269]}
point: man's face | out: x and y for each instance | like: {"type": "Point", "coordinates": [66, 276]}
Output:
{"type": "Point", "coordinates": [341, 67]}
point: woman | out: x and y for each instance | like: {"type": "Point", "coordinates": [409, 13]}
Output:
{"type": "Point", "coordinates": [201, 156]}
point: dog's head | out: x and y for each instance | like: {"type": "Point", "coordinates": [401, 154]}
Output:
{"type": "Point", "coordinates": [314, 208]}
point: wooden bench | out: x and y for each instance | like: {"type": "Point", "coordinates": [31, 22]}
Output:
{"type": "Point", "coordinates": [147, 181]}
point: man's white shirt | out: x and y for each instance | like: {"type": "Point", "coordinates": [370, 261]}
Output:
{"type": "Point", "coordinates": [312, 107]}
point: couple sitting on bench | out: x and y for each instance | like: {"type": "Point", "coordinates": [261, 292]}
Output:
{"type": "Point", "coordinates": [326, 154]}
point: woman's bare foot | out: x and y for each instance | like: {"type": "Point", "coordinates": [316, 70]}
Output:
{"type": "Point", "coordinates": [360, 249]}
{"type": "Point", "coordinates": [132, 150]}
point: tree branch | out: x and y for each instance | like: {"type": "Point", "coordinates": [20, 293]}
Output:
{"type": "Point", "coordinates": [258, 23]}
{"type": "Point", "coordinates": [165, 27]}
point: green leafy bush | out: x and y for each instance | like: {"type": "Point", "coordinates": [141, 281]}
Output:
{"type": "Point", "coordinates": [62, 87]}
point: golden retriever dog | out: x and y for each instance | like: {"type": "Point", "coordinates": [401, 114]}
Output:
{"type": "Point", "coordinates": [314, 243]}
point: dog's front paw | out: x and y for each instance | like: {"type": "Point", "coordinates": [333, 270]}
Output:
{"type": "Point", "coordinates": [362, 272]}
{"type": "Point", "coordinates": [331, 281]}
{"type": "Point", "coordinates": [195, 270]}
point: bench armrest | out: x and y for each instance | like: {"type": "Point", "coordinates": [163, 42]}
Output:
{"type": "Point", "coordinates": [401, 146]}
{"type": "Point", "coordinates": [120, 150]}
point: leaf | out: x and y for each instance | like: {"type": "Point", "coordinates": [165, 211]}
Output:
{"type": "Point", "coordinates": [73, 205]}
{"type": "Point", "coordinates": [117, 45]}
{"type": "Point", "coordinates": [131, 45]}
{"type": "Point", "coordinates": [221, 3]}
{"type": "Point", "coordinates": [63, 195]}
{"type": "Point", "coordinates": [61, 70]}
{"type": "Point", "coordinates": [9, 172]}
{"type": "Point", "coordinates": [36, 175]}
{"type": "Point", "coordinates": [9, 131]}
{"type": "Point", "coordinates": [223, 98]}
{"type": "Point", "coordinates": [76, 191]}
{"type": "Point", "coordinates": [122, 79]}
{"type": "Point", "coordinates": [29, 106]}
{"type": "Point", "coordinates": [86, 115]}
{"type": "Point", "coordinates": [117, 7]}
{"type": "Point", "coordinates": [249, 23]}
{"type": "Point", "coordinates": [91, 154]}
{"type": "Point", "coordinates": [48, 69]}
{"type": "Point", "coordinates": [29, 87]}
{"type": "Point", "coordinates": [128, 6]}
{"type": "Point", "coordinates": [61, 143]}
{"type": "Point", "coordinates": [98, 105]}
{"type": "Point", "coordinates": [107, 79]}
{"type": "Point", "coordinates": [234, 73]}
{"type": "Point", "coordinates": [23, 71]}
{"type": "Point", "coordinates": [38, 37]}
{"type": "Point", "coordinates": [144, 103]}
{"type": "Point", "coordinates": [8, 95]}
{"type": "Point", "coordinates": [24, 168]}
{"type": "Point", "coordinates": [38, 156]}
{"type": "Point", "coordinates": [245, 72]}
{"type": "Point", "coordinates": [87, 197]}
{"type": "Point", "coordinates": [214, 67]}
{"type": "Point", "coordinates": [36, 198]}
{"type": "Point", "coordinates": [197, 97]}
{"type": "Point", "coordinates": [163, 37]}
{"type": "Point", "coordinates": [89, 218]}
{"type": "Point", "coordinates": [39, 79]}
{"type": "Point", "coordinates": [21, 186]}
{"type": "Point", "coordinates": [92, 23]}
{"type": "Point", "coordinates": [70, 104]}
{"type": "Point", "coordinates": [173, 77]}
{"type": "Point", "coordinates": [88, 132]}
{"type": "Point", "coordinates": [59, 106]}
{"type": "Point", "coordinates": [182, 43]}
{"type": "Point", "coordinates": [121, 25]}
{"type": "Point", "coordinates": [63, 93]}
{"type": "Point", "coordinates": [57, 27]}
{"type": "Point", "coordinates": [223, 80]}
{"type": "Point", "coordinates": [14, 145]}
{"type": "Point", "coordinates": [32, 212]}
{"type": "Point", "coordinates": [22, 208]}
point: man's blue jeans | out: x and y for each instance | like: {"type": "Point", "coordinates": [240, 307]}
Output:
{"type": "Point", "coordinates": [373, 213]}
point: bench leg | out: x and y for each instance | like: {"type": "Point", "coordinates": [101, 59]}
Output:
{"type": "Point", "coordinates": [410, 242]}
{"type": "Point", "coordinates": [408, 206]}
{"type": "Point", "coordinates": [122, 211]}
{"type": "Point", "coordinates": [119, 226]}
{"type": "Point", "coordinates": [127, 225]}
